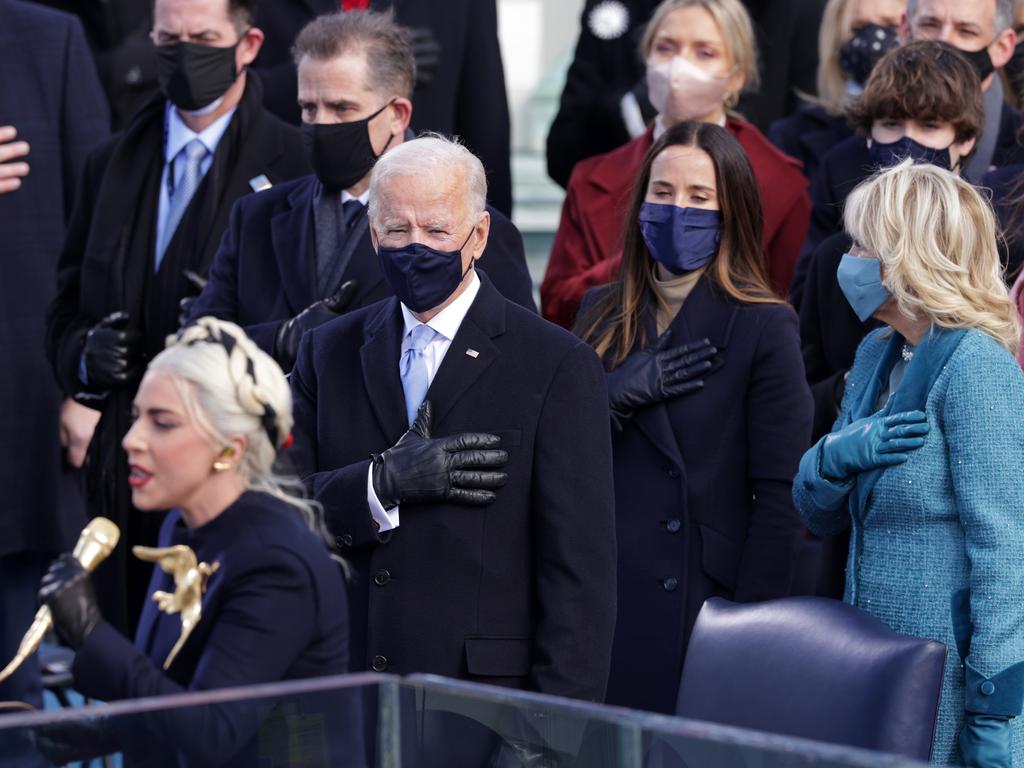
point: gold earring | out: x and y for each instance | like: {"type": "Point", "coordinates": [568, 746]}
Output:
{"type": "Point", "coordinates": [222, 464]}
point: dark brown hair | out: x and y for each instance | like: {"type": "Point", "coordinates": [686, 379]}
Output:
{"type": "Point", "coordinates": [241, 12]}
{"type": "Point", "coordinates": [389, 60]}
{"type": "Point", "coordinates": [924, 80]}
{"type": "Point", "coordinates": [613, 325]}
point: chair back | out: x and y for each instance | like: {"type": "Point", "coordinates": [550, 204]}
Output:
{"type": "Point", "coordinates": [814, 668]}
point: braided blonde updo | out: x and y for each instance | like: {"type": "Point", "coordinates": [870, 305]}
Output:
{"type": "Point", "coordinates": [232, 388]}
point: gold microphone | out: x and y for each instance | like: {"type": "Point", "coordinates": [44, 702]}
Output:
{"type": "Point", "coordinates": [95, 543]}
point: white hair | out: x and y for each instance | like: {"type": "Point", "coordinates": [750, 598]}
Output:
{"type": "Point", "coordinates": [433, 156]}
{"type": "Point", "coordinates": [231, 388]}
{"type": "Point", "coordinates": [1003, 18]}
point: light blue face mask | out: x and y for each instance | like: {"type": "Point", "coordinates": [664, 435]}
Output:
{"type": "Point", "coordinates": [861, 281]}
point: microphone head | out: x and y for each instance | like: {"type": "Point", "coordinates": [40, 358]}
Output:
{"type": "Point", "coordinates": [96, 542]}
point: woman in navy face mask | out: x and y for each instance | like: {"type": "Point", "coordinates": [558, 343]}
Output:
{"type": "Point", "coordinates": [710, 409]}
{"type": "Point", "coordinates": [854, 35]}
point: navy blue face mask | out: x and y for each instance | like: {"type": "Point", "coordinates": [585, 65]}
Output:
{"type": "Point", "coordinates": [895, 152]}
{"type": "Point", "coordinates": [681, 239]}
{"type": "Point", "coordinates": [423, 277]}
{"type": "Point", "coordinates": [868, 44]}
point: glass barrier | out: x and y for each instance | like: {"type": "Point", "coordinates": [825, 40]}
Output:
{"type": "Point", "coordinates": [379, 721]}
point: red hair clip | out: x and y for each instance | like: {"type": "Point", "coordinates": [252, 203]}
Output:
{"type": "Point", "coordinates": [288, 441]}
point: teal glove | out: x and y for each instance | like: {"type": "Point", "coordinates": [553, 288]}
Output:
{"type": "Point", "coordinates": [872, 442]}
{"type": "Point", "coordinates": [986, 741]}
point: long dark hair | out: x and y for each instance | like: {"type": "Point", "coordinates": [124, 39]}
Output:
{"type": "Point", "coordinates": [613, 325]}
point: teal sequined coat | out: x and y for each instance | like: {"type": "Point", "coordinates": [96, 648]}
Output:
{"type": "Point", "coordinates": [950, 518]}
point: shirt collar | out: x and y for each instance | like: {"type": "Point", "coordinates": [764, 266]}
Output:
{"type": "Point", "coordinates": [447, 321]}
{"type": "Point", "coordinates": [363, 198]}
{"type": "Point", "coordinates": [179, 134]}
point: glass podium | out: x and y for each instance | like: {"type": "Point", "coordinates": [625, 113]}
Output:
{"type": "Point", "coordinates": [381, 721]}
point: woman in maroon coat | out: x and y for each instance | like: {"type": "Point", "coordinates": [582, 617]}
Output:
{"type": "Point", "coordinates": [700, 55]}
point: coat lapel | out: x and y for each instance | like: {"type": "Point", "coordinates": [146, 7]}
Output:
{"type": "Point", "coordinates": [471, 352]}
{"type": "Point", "coordinates": [912, 394]}
{"type": "Point", "coordinates": [379, 355]}
{"type": "Point", "coordinates": [290, 232]}
{"type": "Point", "coordinates": [704, 314]}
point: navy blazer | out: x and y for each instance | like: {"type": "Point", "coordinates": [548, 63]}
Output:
{"type": "Point", "coordinates": [520, 592]}
{"type": "Point", "coordinates": [50, 92]}
{"type": "Point", "coordinates": [702, 490]}
{"type": "Point", "coordinates": [275, 609]}
{"type": "Point", "coordinates": [808, 135]}
{"type": "Point", "coordinates": [265, 269]}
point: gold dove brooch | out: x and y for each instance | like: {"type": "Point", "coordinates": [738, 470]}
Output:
{"type": "Point", "coordinates": [190, 580]}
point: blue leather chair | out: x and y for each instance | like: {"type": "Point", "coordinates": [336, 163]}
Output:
{"type": "Point", "coordinates": [814, 668]}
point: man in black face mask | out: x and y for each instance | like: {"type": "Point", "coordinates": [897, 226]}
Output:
{"type": "Point", "coordinates": [154, 201]}
{"type": "Point", "coordinates": [482, 529]}
{"type": "Point", "coordinates": [300, 254]}
{"type": "Point", "coordinates": [983, 31]}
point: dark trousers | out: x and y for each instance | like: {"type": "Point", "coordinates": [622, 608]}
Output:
{"type": "Point", "coordinates": [20, 574]}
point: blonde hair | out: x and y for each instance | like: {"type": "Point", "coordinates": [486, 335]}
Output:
{"type": "Point", "coordinates": [835, 31]}
{"type": "Point", "coordinates": [937, 239]}
{"type": "Point", "coordinates": [232, 388]}
{"type": "Point", "coordinates": [733, 22]}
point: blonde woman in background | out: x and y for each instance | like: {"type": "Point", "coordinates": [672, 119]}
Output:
{"type": "Point", "coordinates": [923, 462]}
{"type": "Point", "coordinates": [854, 35]}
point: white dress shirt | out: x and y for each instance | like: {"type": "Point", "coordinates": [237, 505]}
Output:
{"type": "Point", "coordinates": [446, 324]}
{"type": "Point", "coordinates": [178, 135]}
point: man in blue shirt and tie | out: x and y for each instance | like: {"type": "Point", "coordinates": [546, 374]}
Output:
{"type": "Point", "coordinates": [301, 254]}
{"type": "Point", "coordinates": [154, 201]}
{"type": "Point", "coordinates": [481, 531]}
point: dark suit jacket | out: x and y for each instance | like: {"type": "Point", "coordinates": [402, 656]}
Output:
{"type": "Point", "coordinates": [518, 593]}
{"type": "Point", "coordinates": [703, 490]}
{"type": "Point", "coordinates": [587, 249]}
{"type": "Point", "coordinates": [265, 269]}
{"type": "Point", "coordinates": [466, 97]}
{"type": "Point", "coordinates": [808, 134]}
{"type": "Point", "coordinates": [829, 331]}
{"type": "Point", "coordinates": [51, 94]}
{"type": "Point", "coordinates": [89, 287]}
{"type": "Point", "coordinates": [274, 610]}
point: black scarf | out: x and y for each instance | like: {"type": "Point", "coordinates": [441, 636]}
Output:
{"type": "Point", "coordinates": [127, 203]}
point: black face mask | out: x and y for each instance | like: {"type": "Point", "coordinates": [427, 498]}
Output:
{"type": "Point", "coordinates": [870, 43]}
{"type": "Point", "coordinates": [895, 152]}
{"type": "Point", "coordinates": [194, 76]}
{"type": "Point", "coordinates": [981, 61]}
{"type": "Point", "coordinates": [341, 153]}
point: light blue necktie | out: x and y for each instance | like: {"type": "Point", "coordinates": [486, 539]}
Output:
{"type": "Point", "coordinates": [413, 368]}
{"type": "Point", "coordinates": [193, 155]}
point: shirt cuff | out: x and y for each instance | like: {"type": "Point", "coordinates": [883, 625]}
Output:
{"type": "Point", "coordinates": [826, 494]}
{"type": "Point", "coordinates": [386, 519]}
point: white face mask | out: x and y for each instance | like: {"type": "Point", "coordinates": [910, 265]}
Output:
{"type": "Point", "coordinates": [680, 90]}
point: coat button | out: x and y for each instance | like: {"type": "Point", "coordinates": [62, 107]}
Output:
{"type": "Point", "coordinates": [673, 472]}
{"type": "Point", "coordinates": [382, 577]}
{"type": "Point", "coordinates": [345, 540]}
{"type": "Point", "coordinates": [670, 584]}
{"type": "Point", "coordinates": [673, 526]}
{"type": "Point", "coordinates": [988, 688]}
{"type": "Point", "coordinates": [380, 663]}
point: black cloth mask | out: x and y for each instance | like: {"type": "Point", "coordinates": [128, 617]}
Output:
{"type": "Point", "coordinates": [870, 43]}
{"type": "Point", "coordinates": [341, 153]}
{"type": "Point", "coordinates": [1014, 68]}
{"type": "Point", "coordinates": [194, 76]}
{"type": "Point", "coordinates": [981, 61]}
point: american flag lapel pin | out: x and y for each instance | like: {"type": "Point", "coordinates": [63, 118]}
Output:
{"type": "Point", "coordinates": [472, 353]}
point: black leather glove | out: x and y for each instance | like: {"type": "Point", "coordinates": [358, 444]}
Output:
{"type": "Point", "coordinates": [289, 333]}
{"type": "Point", "coordinates": [67, 591]}
{"type": "Point", "coordinates": [426, 50]}
{"type": "Point", "coordinates": [420, 469]}
{"type": "Point", "coordinates": [113, 352]}
{"type": "Point", "coordinates": [658, 373]}
{"type": "Point", "coordinates": [74, 741]}
{"type": "Point", "coordinates": [185, 305]}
